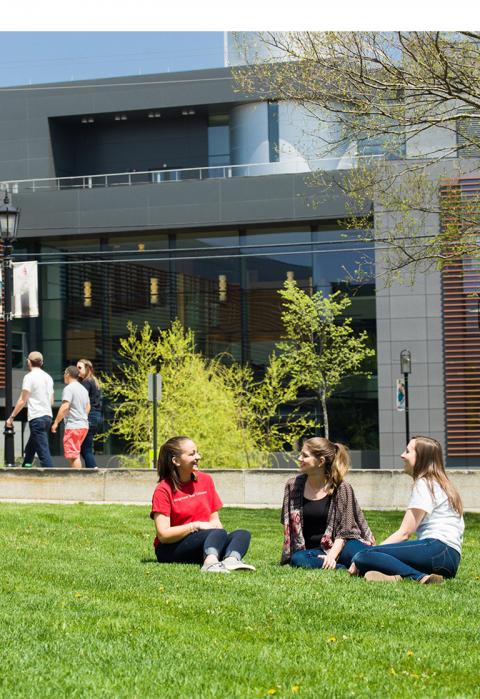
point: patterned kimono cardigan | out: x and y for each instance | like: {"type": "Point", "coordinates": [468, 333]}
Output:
{"type": "Point", "coordinates": [345, 518]}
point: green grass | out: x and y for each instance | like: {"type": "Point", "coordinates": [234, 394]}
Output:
{"type": "Point", "coordinates": [85, 611]}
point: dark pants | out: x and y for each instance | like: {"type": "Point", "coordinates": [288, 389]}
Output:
{"type": "Point", "coordinates": [410, 559]}
{"type": "Point", "coordinates": [38, 441]}
{"type": "Point", "coordinates": [94, 426]}
{"type": "Point", "coordinates": [195, 547]}
{"type": "Point", "coordinates": [309, 558]}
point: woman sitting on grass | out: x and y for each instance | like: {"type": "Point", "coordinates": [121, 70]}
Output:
{"type": "Point", "coordinates": [185, 508]}
{"type": "Point", "coordinates": [434, 513]}
{"type": "Point", "coordinates": [323, 523]}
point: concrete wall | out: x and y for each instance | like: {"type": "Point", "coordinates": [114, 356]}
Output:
{"type": "Point", "coordinates": [378, 490]}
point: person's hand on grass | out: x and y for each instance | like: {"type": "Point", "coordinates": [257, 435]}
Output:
{"type": "Point", "coordinates": [329, 561]}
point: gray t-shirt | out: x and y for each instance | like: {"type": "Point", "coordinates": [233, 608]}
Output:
{"type": "Point", "coordinates": [77, 396]}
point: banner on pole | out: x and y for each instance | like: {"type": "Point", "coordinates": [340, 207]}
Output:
{"type": "Point", "coordinates": [25, 290]}
{"type": "Point", "coordinates": [400, 395]}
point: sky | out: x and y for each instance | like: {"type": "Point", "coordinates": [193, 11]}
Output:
{"type": "Point", "coordinates": [56, 41]}
{"type": "Point", "coordinates": [39, 57]}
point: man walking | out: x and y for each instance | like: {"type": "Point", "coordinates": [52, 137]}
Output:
{"type": "Point", "coordinates": [37, 394]}
{"type": "Point", "coordinates": [74, 409]}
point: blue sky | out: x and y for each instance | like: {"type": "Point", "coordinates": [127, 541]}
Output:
{"type": "Point", "coordinates": [38, 57]}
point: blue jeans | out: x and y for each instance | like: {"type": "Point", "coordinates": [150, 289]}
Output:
{"type": "Point", "coordinates": [410, 559]}
{"type": "Point", "coordinates": [95, 425]}
{"type": "Point", "coordinates": [195, 547]}
{"type": "Point", "coordinates": [309, 558]}
{"type": "Point", "coordinates": [38, 441]}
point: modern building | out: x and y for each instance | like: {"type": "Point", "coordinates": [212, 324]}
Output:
{"type": "Point", "coordinates": [173, 195]}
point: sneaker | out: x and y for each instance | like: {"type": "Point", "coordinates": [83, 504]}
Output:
{"type": "Point", "coordinates": [214, 568]}
{"type": "Point", "coordinates": [232, 564]}
{"type": "Point", "coordinates": [27, 465]}
{"type": "Point", "coordinates": [432, 579]}
{"type": "Point", "coordinates": [376, 576]}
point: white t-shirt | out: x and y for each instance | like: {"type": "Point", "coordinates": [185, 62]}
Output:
{"type": "Point", "coordinates": [40, 386]}
{"type": "Point", "coordinates": [441, 521]}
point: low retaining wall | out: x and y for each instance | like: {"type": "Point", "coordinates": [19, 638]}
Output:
{"type": "Point", "coordinates": [375, 489]}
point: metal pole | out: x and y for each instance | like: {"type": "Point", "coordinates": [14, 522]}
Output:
{"type": "Point", "coordinates": [9, 447]}
{"type": "Point", "coordinates": [154, 395]}
{"type": "Point", "coordinates": [407, 421]}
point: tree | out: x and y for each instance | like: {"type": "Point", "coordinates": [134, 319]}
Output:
{"type": "Point", "coordinates": [414, 96]}
{"type": "Point", "coordinates": [195, 400]}
{"type": "Point", "coordinates": [215, 401]}
{"type": "Point", "coordinates": [320, 345]}
{"type": "Point", "coordinates": [259, 402]}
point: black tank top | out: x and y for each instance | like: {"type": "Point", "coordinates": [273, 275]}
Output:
{"type": "Point", "coordinates": [315, 515]}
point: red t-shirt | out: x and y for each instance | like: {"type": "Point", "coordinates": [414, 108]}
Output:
{"type": "Point", "coordinates": [193, 501]}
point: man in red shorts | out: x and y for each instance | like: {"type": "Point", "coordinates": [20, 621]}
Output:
{"type": "Point", "coordinates": [74, 410]}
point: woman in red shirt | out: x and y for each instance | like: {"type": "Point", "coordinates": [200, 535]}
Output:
{"type": "Point", "coordinates": [185, 509]}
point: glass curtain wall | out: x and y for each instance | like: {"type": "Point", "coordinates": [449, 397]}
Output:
{"type": "Point", "coordinates": [221, 283]}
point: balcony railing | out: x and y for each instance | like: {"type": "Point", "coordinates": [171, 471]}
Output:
{"type": "Point", "coordinates": [132, 178]}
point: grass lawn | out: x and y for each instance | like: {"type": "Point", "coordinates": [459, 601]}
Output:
{"type": "Point", "coordinates": [85, 611]}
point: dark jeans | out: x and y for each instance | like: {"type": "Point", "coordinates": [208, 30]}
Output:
{"type": "Point", "coordinates": [410, 559]}
{"type": "Point", "coordinates": [309, 558]}
{"type": "Point", "coordinates": [195, 547]}
{"type": "Point", "coordinates": [38, 441]}
{"type": "Point", "coordinates": [95, 425]}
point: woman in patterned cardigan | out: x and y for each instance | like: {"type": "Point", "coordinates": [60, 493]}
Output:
{"type": "Point", "coordinates": [324, 526]}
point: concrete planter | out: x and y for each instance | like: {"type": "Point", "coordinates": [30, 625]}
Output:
{"type": "Point", "coordinates": [375, 489]}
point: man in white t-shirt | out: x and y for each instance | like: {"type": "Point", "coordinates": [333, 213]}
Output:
{"type": "Point", "coordinates": [37, 395]}
{"type": "Point", "coordinates": [74, 410]}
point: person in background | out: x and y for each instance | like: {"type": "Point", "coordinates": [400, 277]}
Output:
{"type": "Point", "coordinates": [37, 395]}
{"type": "Point", "coordinates": [323, 523]}
{"type": "Point", "coordinates": [74, 410]}
{"type": "Point", "coordinates": [434, 514]}
{"type": "Point", "coordinates": [89, 381]}
{"type": "Point", "coordinates": [185, 509]}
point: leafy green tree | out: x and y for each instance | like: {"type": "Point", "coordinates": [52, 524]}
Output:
{"type": "Point", "coordinates": [259, 402]}
{"type": "Point", "coordinates": [195, 399]}
{"type": "Point", "coordinates": [219, 403]}
{"type": "Point", "coordinates": [320, 347]}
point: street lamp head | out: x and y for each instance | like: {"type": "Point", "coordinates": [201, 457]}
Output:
{"type": "Point", "coordinates": [9, 216]}
{"type": "Point", "coordinates": [405, 361]}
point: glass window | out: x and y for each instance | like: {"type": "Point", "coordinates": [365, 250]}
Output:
{"type": "Point", "coordinates": [218, 141]}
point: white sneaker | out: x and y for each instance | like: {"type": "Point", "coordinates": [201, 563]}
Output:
{"type": "Point", "coordinates": [232, 564]}
{"type": "Point", "coordinates": [214, 568]}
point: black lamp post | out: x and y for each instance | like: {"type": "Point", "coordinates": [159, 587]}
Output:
{"type": "Point", "coordinates": [406, 368]}
{"type": "Point", "coordinates": [9, 217]}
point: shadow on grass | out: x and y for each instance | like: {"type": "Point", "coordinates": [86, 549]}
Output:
{"type": "Point", "coordinates": [148, 560]}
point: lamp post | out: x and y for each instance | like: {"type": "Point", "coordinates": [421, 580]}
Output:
{"type": "Point", "coordinates": [9, 217]}
{"type": "Point", "coordinates": [406, 368]}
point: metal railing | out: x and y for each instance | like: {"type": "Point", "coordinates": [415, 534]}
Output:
{"type": "Point", "coordinates": [132, 178]}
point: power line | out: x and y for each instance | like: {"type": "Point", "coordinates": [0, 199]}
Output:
{"type": "Point", "coordinates": [172, 251]}
{"type": "Point", "coordinates": [208, 257]}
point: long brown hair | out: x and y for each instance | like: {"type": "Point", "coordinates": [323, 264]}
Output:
{"type": "Point", "coordinates": [337, 459]}
{"type": "Point", "coordinates": [166, 468]}
{"type": "Point", "coordinates": [89, 372]}
{"type": "Point", "coordinates": [429, 465]}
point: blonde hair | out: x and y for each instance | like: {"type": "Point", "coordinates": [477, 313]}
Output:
{"type": "Point", "coordinates": [429, 465]}
{"type": "Point", "coordinates": [89, 373]}
{"type": "Point", "coordinates": [337, 459]}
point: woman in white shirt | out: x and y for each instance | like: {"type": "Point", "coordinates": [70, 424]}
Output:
{"type": "Point", "coordinates": [435, 514]}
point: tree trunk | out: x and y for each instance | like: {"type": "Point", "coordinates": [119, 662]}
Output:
{"type": "Point", "coordinates": [323, 402]}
